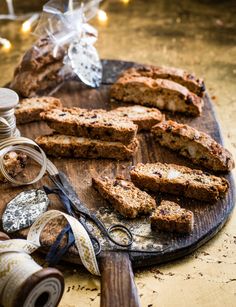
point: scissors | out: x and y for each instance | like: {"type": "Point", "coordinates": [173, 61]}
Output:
{"type": "Point", "coordinates": [62, 183]}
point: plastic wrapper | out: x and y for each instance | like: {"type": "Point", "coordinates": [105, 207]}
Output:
{"type": "Point", "coordinates": [65, 24]}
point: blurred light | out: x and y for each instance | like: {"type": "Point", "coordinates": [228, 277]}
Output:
{"type": "Point", "coordinates": [102, 16]}
{"type": "Point", "coordinates": [5, 43]}
{"type": "Point", "coordinates": [27, 25]}
{"type": "Point", "coordinates": [125, 1]}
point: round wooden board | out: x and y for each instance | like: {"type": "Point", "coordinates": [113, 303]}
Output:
{"type": "Point", "coordinates": [158, 246]}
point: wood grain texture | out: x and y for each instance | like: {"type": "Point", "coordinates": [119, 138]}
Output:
{"type": "Point", "coordinates": [117, 281]}
{"type": "Point", "coordinates": [209, 217]}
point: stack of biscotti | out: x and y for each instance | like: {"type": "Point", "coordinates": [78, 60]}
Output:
{"type": "Point", "coordinates": [14, 164]}
{"type": "Point", "coordinates": [165, 88]}
{"type": "Point", "coordinates": [29, 109]}
{"type": "Point", "coordinates": [124, 196]}
{"type": "Point", "coordinates": [89, 134]}
{"type": "Point", "coordinates": [38, 69]}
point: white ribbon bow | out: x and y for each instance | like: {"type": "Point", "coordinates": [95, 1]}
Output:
{"type": "Point", "coordinates": [65, 23]}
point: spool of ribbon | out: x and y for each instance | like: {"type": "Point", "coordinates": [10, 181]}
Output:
{"type": "Point", "coordinates": [23, 282]}
{"type": "Point", "coordinates": [10, 139]}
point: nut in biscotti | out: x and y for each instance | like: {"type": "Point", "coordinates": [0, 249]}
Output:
{"type": "Point", "coordinates": [14, 164]}
{"type": "Point", "coordinates": [144, 117]}
{"type": "Point", "coordinates": [127, 199]}
{"type": "Point", "coordinates": [58, 145]}
{"type": "Point", "coordinates": [177, 75]}
{"type": "Point", "coordinates": [29, 109]}
{"type": "Point", "coordinates": [94, 124]}
{"type": "Point", "coordinates": [170, 217]}
{"type": "Point", "coordinates": [198, 146]}
{"type": "Point", "coordinates": [159, 93]}
{"type": "Point", "coordinates": [179, 180]}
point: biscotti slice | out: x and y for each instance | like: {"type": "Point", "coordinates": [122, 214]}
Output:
{"type": "Point", "coordinates": [160, 93]}
{"type": "Point", "coordinates": [144, 117]}
{"type": "Point", "coordinates": [180, 76]}
{"type": "Point", "coordinates": [198, 146]}
{"type": "Point", "coordinates": [58, 145]}
{"type": "Point", "coordinates": [127, 199]}
{"type": "Point", "coordinates": [38, 69]}
{"type": "Point", "coordinates": [29, 109]}
{"type": "Point", "coordinates": [14, 164]}
{"type": "Point", "coordinates": [170, 217]}
{"type": "Point", "coordinates": [179, 180]}
{"type": "Point", "coordinates": [94, 124]}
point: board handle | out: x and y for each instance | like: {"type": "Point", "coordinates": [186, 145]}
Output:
{"type": "Point", "coordinates": [117, 281]}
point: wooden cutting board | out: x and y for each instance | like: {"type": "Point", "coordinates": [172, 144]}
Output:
{"type": "Point", "coordinates": [150, 247]}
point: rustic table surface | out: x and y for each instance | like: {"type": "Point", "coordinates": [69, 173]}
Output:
{"type": "Point", "coordinates": [199, 36]}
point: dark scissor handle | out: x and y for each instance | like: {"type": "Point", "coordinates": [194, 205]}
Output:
{"type": "Point", "coordinates": [125, 230]}
{"type": "Point", "coordinates": [84, 212]}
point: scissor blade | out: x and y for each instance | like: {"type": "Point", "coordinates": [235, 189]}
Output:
{"type": "Point", "coordinates": [71, 193]}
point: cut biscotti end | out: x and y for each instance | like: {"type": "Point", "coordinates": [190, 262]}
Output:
{"type": "Point", "coordinates": [161, 93]}
{"type": "Point", "coordinates": [189, 80]}
{"type": "Point", "coordinates": [14, 164]}
{"type": "Point", "coordinates": [94, 124]}
{"type": "Point", "coordinates": [195, 145]}
{"type": "Point", "coordinates": [124, 196]}
{"type": "Point", "coordinates": [144, 117]}
{"type": "Point", "coordinates": [170, 217]}
{"type": "Point", "coordinates": [179, 180]}
{"type": "Point", "coordinates": [58, 145]}
{"type": "Point", "coordinates": [29, 109]}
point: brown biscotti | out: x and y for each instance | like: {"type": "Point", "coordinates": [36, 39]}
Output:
{"type": "Point", "coordinates": [170, 217]}
{"type": "Point", "coordinates": [127, 199]}
{"type": "Point", "coordinates": [160, 93]}
{"type": "Point", "coordinates": [14, 164]}
{"type": "Point", "coordinates": [94, 124]}
{"type": "Point", "coordinates": [29, 109]}
{"type": "Point", "coordinates": [58, 145]}
{"type": "Point", "coordinates": [198, 146]}
{"type": "Point", "coordinates": [144, 117]}
{"type": "Point", "coordinates": [180, 76]}
{"type": "Point", "coordinates": [179, 180]}
{"type": "Point", "coordinates": [38, 69]}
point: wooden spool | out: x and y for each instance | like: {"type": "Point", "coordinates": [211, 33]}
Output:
{"type": "Point", "coordinates": [29, 294]}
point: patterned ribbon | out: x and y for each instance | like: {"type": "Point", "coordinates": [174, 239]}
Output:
{"type": "Point", "coordinates": [16, 264]}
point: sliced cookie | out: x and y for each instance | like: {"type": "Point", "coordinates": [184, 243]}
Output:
{"type": "Point", "coordinates": [124, 196]}
{"type": "Point", "coordinates": [179, 180]}
{"type": "Point", "coordinates": [170, 217]}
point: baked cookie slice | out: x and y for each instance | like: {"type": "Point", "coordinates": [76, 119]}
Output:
{"type": "Point", "coordinates": [14, 164]}
{"type": "Point", "coordinates": [144, 117]}
{"type": "Point", "coordinates": [94, 124]}
{"type": "Point", "coordinates": [189, 80]}
{"type": "Point", "coordinates": [195, 145]}
{"type": "Point", "coordinates": [170, 217]}
{"type": "Point", "coordinates": [160, 93]}
{"type": "Point", "coordinates": [29, 109]}
{"type": "Point", "coordinates": [127, 199]}
{"type": "Point", "coordinates": [179, 180]}
{"type": "Point", "coordinates": [38, 69]}
{"type": "Point", "coordinates": [58, 145]}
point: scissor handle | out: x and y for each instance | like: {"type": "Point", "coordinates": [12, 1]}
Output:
{"type": "Point", "coordinates": [123, 229]}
